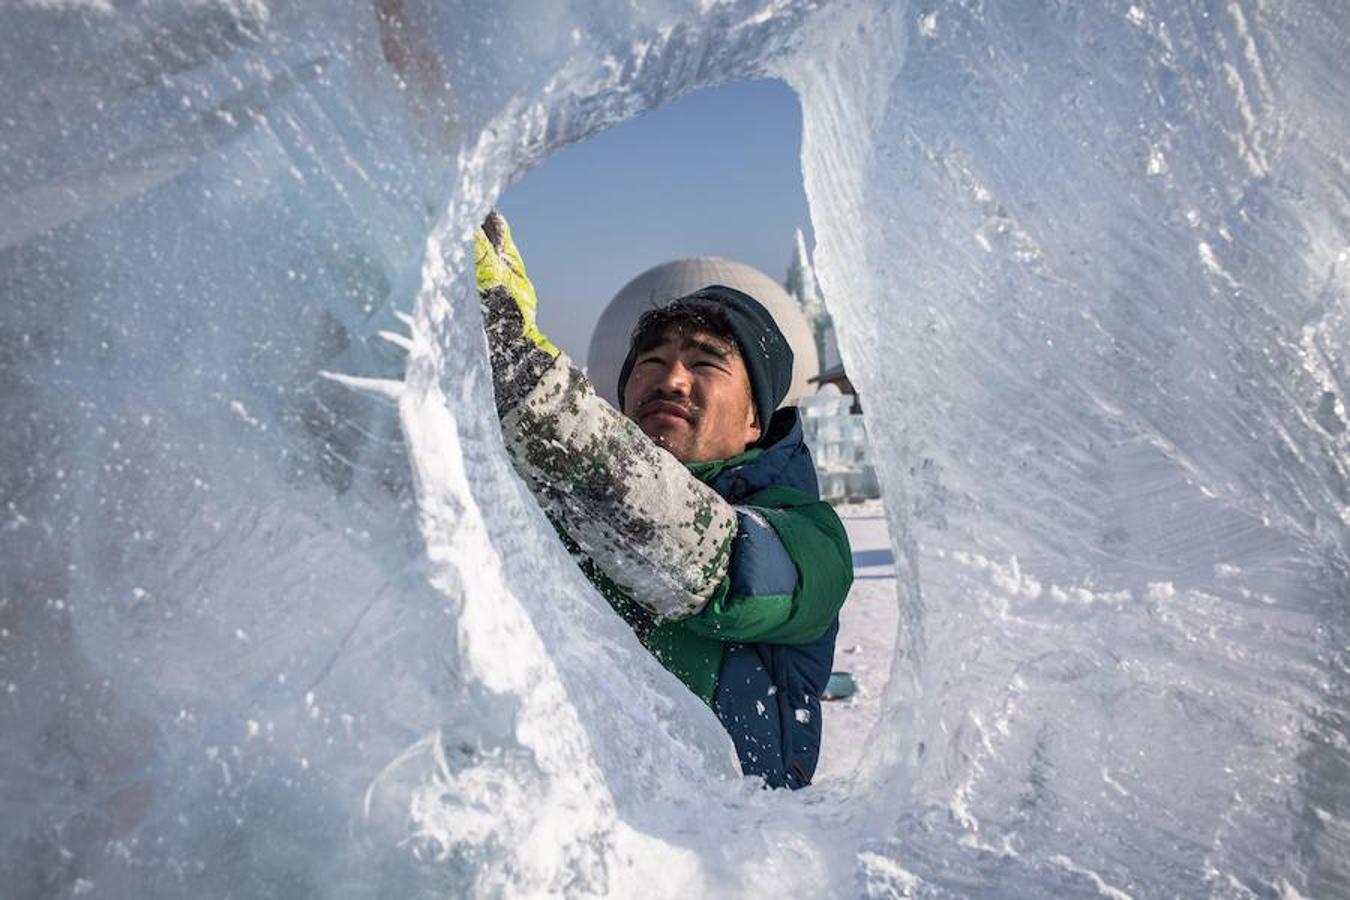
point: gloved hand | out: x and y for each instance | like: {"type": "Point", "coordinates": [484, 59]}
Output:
{"type": "Point", "coordinates": [499, 268]}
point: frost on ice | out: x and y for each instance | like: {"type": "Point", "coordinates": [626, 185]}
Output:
{"type": "Point", "coordinates": [271, 613]}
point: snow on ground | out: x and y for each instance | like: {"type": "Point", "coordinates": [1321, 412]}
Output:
{"type": "Point", "coordinates": [866, 642]}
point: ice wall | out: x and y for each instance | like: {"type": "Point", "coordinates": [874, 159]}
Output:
{"type": "Point", "coordinates": [1095, 261]}
{"type": "Point", "coordinates": [275, 619]}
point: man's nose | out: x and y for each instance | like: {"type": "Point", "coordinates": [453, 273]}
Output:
{"type": "Point", "coordinates": [674, 379]}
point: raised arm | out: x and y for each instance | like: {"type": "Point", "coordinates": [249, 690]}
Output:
{"type": "Point", "coordinates": [636, 511]}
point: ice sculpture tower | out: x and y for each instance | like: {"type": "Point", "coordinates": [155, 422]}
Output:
{"type": "Point", "coordinates": [802, 286]}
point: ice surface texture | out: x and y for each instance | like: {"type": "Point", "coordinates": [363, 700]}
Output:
{"type": "Point", "coordinates": [270, 631]}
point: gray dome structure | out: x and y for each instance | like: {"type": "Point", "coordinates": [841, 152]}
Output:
{"type": "Point", "coordinates": [661, 284]}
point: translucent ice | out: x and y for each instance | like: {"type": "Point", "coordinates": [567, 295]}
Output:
{"type": "Point", "coordinates": [837, 437]}
{"type": "Point", "coordinates": [275, 618]}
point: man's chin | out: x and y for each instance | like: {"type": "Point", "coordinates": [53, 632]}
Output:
{"type": "Point", "coordinates": [668, 439]}
{"type": "Point", "coordinates": [667, 427]}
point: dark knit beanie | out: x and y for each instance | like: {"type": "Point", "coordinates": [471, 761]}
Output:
{"type": "Point", "coordinates": [767, 356]}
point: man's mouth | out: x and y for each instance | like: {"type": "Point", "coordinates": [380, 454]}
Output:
{"type": "Point", "coordinates": [664, 409]}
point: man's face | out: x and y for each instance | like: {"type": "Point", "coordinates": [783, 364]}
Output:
{"type": "Point", "coordinates": [691, 394]}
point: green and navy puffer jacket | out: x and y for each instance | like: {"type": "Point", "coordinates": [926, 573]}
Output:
{"type": "Point", "coordinates": [760, 652]}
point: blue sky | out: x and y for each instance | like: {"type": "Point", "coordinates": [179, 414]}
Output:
{"type": "Point", "coordinates": [715, 173]}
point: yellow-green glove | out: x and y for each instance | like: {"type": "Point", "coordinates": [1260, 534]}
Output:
{"type": "Point", "coordinates": [498, 267]}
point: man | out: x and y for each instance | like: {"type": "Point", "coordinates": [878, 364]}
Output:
{"type": "Point", "coordinates": [696, 512]}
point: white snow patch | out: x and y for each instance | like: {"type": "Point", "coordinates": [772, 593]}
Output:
{"type": "Point", "coordinates": [1289, 892]}
{"type": "Point", "coordinates": [1102, 887]}
{"type": "Point", "coordinates": [1113, 784]}
{"type": "Point", "coordinates": [238, 408]}
{"type": "Point", "coordinates": [1161, 590]}
{"type": "Point", "coordinates": [888, 874]}
{"type": "Point", "coordinates": [1157, 161]}
{"type": "Point", "coordinates": [1211, 262]}
{"type": "Point", "coordinates": [1009, 577]}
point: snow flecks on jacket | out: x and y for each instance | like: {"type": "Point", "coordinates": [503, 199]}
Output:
{"type": "Point", "coordinates": [647, 523]}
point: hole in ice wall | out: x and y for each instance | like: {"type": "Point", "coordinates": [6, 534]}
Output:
{"type": "Point", "coordinates": [708, 189]}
